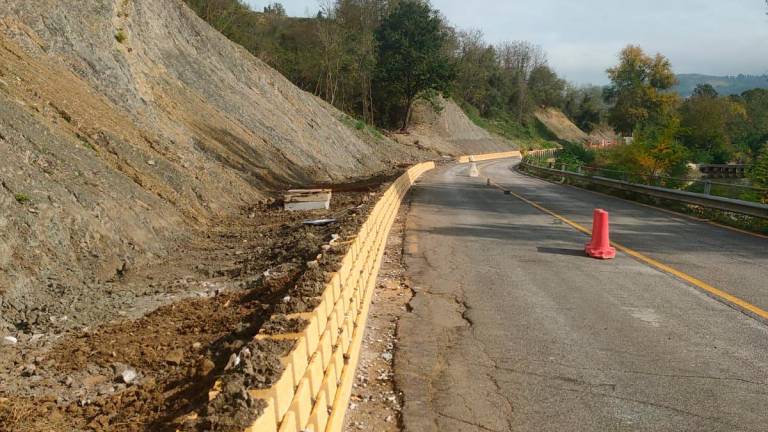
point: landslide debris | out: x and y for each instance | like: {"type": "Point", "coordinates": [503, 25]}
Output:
{"type": "Point", "coordinates": [560, 125]}
{"type": "Point", "coordinates": [129, 127]}
{"type": "Point", "coordinates": [445, 128]}
{"type": "Point", "coordinates": [142, 244]}
{"type": "Point", "coordinates": [177, 352]}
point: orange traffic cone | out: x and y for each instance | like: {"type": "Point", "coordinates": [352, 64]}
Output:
{"type": "Point", "coordinates": [600, 246]}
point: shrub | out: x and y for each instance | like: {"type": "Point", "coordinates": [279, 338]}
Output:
{"type": "Point", "coordinates": [21, 198]}
{"type": "Point", "coordinates": [120, 36]}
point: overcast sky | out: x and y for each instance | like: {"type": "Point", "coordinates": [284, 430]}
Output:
{"type": "Point", "coordinates": [583, 37]}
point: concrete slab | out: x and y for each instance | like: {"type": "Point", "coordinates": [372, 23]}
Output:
{"type": "Point", "coordinates": [307, 199]}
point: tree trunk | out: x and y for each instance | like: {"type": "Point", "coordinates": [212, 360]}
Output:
{"type": "Point", "coordinates": [407, 117]}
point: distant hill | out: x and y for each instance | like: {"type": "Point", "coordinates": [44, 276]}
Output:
{"type": "Point", "coordinates": [725, 85]}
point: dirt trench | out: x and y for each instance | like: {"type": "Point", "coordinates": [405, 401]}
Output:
{"type": "Point", "coordinates": [150, 371]}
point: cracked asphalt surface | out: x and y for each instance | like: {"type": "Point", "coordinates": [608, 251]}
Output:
{"type": "Point", "coordinates": [512, 329]}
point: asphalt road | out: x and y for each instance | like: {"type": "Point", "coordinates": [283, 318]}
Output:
{"type": "Point", "coordinates": [513, 329]}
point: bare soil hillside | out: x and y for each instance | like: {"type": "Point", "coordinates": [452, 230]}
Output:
{"type": "Point", "coordinates": [129, 126]}
{"type": "Point", "coordinates": [449, 131]}
{"type": "Point", "coordinates": [560, 125]}
{"type": "Point", "coordinates": [141, 156]}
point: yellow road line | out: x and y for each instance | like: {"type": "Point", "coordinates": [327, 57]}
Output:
{"type": "Point", "coordinates": [672, 212]}
{"type": "Point", "coordinates": [718, 293]}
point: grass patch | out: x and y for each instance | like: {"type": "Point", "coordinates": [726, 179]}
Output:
{"type": "Point", "coordinates": [22, 198]}
{"type": "Point", "coordinates": [87, 144]}
{"type": "Point", "coordinates": [531, 136]}
{"type": "Point", "coordinates": [362, 127]}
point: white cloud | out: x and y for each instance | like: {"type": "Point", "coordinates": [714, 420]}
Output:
{"type": "Point", "coordinates": [583, 37]}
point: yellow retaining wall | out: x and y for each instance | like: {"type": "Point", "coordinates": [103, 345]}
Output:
{"type": "Point", "coordinates": [315, 388]}
{"type": "Point", "coordinates": [488, 156]}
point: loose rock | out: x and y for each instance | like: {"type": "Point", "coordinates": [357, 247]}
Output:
{"type": "Point", "coordinates": [175, 357]}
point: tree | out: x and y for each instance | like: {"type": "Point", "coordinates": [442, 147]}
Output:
{"type": "Point", "coordinates": [519, 59]}
{"type": "Point", "coordinates": [274, 9]}
{"type": "Point", "coordinates": [638, 91]}
{"type": "Point", "coordinates": [411, 59]}
{"type": "Point", "coordinates": [705, 120]}
{"type": "Point", "coordinates": [705, 91]}
{"type": "Point", "coordinates": [654, 151]}
{"type": "Point", "coordinates": [545, 87]}
{"type": "Point", "coordinates": [750, 129]}
{"type": "Point", "coordinates": [476, 69]}
{"type": "Point", "coordinates": [759, 171]}
{"type": "Point", "coordinates": [589, 113]}
{"type": "Point", "coordinates": [584, 106]}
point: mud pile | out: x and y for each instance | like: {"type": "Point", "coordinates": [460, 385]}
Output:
{"type": "Point", "coordinates": [130, 128]}
{"type": "Point", "coordinates": [154, 373]}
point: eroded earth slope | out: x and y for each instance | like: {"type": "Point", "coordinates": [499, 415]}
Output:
{"type": "Point", "coordinates": [129, 127]}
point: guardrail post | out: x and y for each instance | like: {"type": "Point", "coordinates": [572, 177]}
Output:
{"type": "Point", "coordinates": [707, 187]}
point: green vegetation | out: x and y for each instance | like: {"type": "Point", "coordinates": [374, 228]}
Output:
{"type": "Point", "coordinates": [669, 132]}
{"type": "Point", "coordinates": [411, 60]}
{"type": "Point", "coordinates": [585, 107]}
{"type": "Point", "coordinates": [532, 135]}
{"type": "Point", "coordinates": [22, 198]}
{"type": "Point", "coordinates": [120, 36]}
{"type": "Point", "coordinates": [759, 171]}
{"type": "Point", "coordinates": [362, 127]}
{"type": "Point", "coordinates": [370, 58]}
{"type": "Point", "coordinates": [638, 90]}
{"type": "Point", "coordinates": [724, 85]}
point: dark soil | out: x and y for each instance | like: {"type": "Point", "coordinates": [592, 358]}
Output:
{"type": "Point", "coordinates": [280, 324]}
{"type": "Point", "coordinates": [264, 262]}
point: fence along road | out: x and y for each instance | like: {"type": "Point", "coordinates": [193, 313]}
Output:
{"type": "Point", "coordinates": [512, 328]}
{"type": "Point", "coordinates": [732, 261]}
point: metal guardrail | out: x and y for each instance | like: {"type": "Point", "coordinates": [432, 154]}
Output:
{"type": "Point", "coordinates": [708, 201]}
{"type": "Point", "coordinates": [705, 185]}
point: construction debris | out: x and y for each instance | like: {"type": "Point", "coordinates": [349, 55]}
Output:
{"type": "Point", "coordinates": [319, 222]}
{"type": "Point", "coordinates": [307, 199]}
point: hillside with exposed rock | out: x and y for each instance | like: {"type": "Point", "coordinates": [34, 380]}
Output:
{"type": "Point", "coordinates": [442, 126]}
{"type": "Point", "coordinates": [127, 125]}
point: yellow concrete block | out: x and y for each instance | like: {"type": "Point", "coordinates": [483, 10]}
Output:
{"type": "Point", "coordinates": [330, 382]}
{"type": "Point", "coordinates": [318, 419]}
{"type": "Point", "coordinates": [354, 307]}
{"type": "Point", "coordinates": [323, 310]}
{"type": "Point", "coordinates": [346, 264]}
{"type": "Point", "coordinates": [325, 348]}
{"type": "Point", "coordinates": [313, 331]}
{"type": "Point", "coordinates": [316, 368]}
{"type": "Point", "coordinates": [280, 394]}
{"type": "Point", "coordinates": [344, 335]}
{"type": "Point", "coordinates": [336, 285]}
{"type": "Point", "coordinates": [289, 423]}
{"type": "Point", "coordinates": [338, 318]}
{"type": "Point", "coordinates": [340, 310]}
{"type": "Point", "coordinates": [299, 359]}
{"type": "Point", "coordinates": [267, 421]}
{"type": "Point", "coordinates": [301, 406]}
{"type": "Point", "coordinates": [315, 374]}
